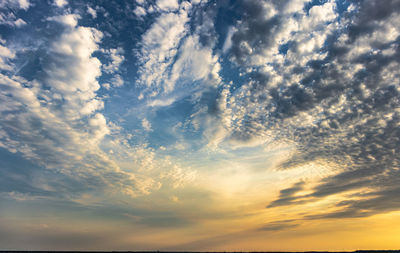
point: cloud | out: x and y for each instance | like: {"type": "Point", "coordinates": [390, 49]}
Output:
{"type": "Point", "coordinates": [117, 81]}
{"type": "Point", "coordinates": [146, 125]}
{"type": "Point", "coordinates": [362, 121]}
{"type": "Point", "coordinates": [7, 15]}
{"type": "Point", "coordinates": [19, 4]}
{"type": "Point", "coordinates": [24, 4]}
{"type": "Point", "coordinates": [322, 80]}
{"type": "Point", "coordinates": [194, 73]}
{"type": "Point", "coordinates": [256, 33]}
{"type": "Point", "coordinates": [116, 56]}
{"type": "Point", "coordinates": [194, 63]}
{"type": "Point", "coordinates": [56, 121]}
{"type": "Point", "coordinates": [60, 3]}
{"type": "Point", "coordinates": [319, 78]}
{"type": "Point", "coordinates": [70, 20]}
{"type": "Point", "coordinates": [140, 11]}
{"type": "Point", "coordinates": [18, 196]}
{"type": "Point", "coordinates": [168, 5]}
{"type": "Point", "coordinates": [160, 45]}
{"type": "Point", "coordinates": [92, 12]}
{"type": "Point", "coordinates": [279, 225]}
{"type": "Point", "coordinates": [228, 40]}
{"type": "Point", "coordinates": [172, 56]}
{"type": "Point", "coordinates": [286, 196]}
{"type": "Point", "coordinates": [161, 102]}
{"type": "Point", "coordinates": [5, 56]}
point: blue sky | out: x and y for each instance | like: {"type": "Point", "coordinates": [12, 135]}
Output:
{"type": "Point", "coordinates": [199, 125]}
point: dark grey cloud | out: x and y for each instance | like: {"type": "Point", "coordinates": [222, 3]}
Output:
{"type": "Point", "coordinates": [279, 225]}
{"type": "Point", "coordinates": [287, 196]}
{"type": "Point", "coordinates": [383, 198]}
{"type": "Point", "coordinates": [370, 12]}
{"type": "Point", "coordinates": [349, 86]}
{"type": "Point", "coordinates": [202, 23]}
{"type": "Point", "coordinates": [255, 32]}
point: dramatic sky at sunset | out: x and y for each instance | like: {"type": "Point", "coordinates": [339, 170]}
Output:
{"type": "Point", "coordinates": [199, 125]}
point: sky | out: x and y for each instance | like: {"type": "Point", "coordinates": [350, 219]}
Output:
{"type": "Point", "coordinates": [243, 125]}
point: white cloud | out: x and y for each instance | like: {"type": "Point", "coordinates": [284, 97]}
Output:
{"type": "Point", "coordinates": [92, 12]}
{"type": "Point", "coordinates": [178, 176]}
{"type": "Point", "coordinates": [228, 40]}
{"type": "Point", "coordinates": [117, 81]}
{"type": "Point", "coordinates": [160, 44]}
{"type": "Point", "coordinates": [60, 3]}
{"type": "Point", "coordinates": [168, 5]}
{"type": "Point", "coordinates": [21, 4]}
{"type": "Point", "coordinates": [293, 6]}
{"type": "Point", "coordinates": [73, 76]}
{"type": "Point", "coordinates": [171, 63]}
{"type": "Point", "coordinates": [19, 22]}
{"type": "Point", "coordinates": [116, 56]}
{"type": "Point", "coordinates": [146, 125]}
{"type": "Point", "coordinates": [98, 126]}
{"type": "Point", "coordinates": [194, 63]}
{"type": "Point", "coordinates": [24, 4]}
{"type": "Point", "coordinates": [107, 86]}
{"type": "Point", "coordinates": [67, 20]}
{"type": "Point", "coordinates": [161, 102]}
{"type": "Point", "coordinates": [322, 13]}
{"type": "Point", "coordinates": [57, 123]}
{"type": "Point", "coordinates": [140, 11]}
{"type": "Point", "coordinates": [6, 55]}
{"type": "Point", "coordinates": [8, 18]}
